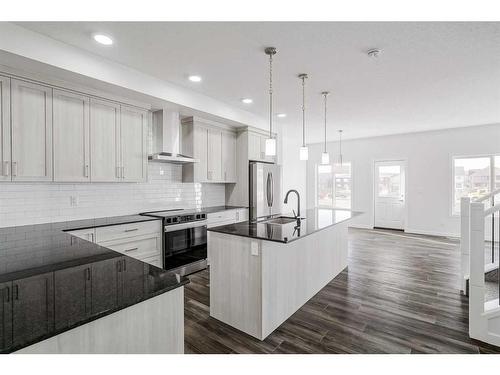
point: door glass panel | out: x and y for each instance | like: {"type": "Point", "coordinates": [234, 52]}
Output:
{"type": "Point", "coordinates": [389, 181]}
{"type": "Point", "coordinates": [497, 172]}
{"type": "Point", "coordinates": [342, 176]}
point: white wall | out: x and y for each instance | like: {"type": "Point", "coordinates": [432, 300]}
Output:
{"type": "Point", "coordinates": [34, 203]}
{"type": "Point", "coordinates": [429, 175]}
{"type": "Point", "coordinates": [293, 169]}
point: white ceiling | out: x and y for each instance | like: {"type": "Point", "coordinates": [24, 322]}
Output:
{"type": "Point", "coordinates": [428, 76]}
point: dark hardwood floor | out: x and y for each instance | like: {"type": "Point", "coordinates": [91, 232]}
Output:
{"type": "Point", "coordinates": [400, 294]}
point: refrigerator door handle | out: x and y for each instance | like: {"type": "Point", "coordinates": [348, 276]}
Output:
{"type": "Point", "coordinates": [270, 189]}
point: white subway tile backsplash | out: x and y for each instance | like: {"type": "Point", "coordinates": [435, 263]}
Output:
{"type": "Point", "coordinates": [35, 203]}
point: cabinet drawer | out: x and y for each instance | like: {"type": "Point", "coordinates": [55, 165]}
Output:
{"type": "Point", "coordinates": [137, 247]}
{"type": "Point", "coordinates": [122, 231]}
{"type": "Point", "coordinates": [218, 217]}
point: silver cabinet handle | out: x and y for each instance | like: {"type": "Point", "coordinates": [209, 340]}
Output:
{"type": "Point", "coordinates": [117, 172]}
{"type": "Point", "coordinates": [123, 172]}
{"type": "Point", "coordinates": [6, 169]}
{"type": "Point", "coordinates": [14, 168]}
{"type": "Point", "coordinates": [131, 230]}
{"type": "Point", "coordinates": [132, 249]}
{"type": "Point", "coordinates": [86, 170]}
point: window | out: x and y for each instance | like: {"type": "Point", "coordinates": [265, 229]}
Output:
{"type": "Point", "coordinates": [473, 177]}
{"type": "Point", "coordinates": [389, 181]}
{"type": "Point", "coordinates": [334, 186]}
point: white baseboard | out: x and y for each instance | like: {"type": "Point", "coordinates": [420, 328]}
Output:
{"type": "Point", "coordinates": [432, 233]}
{"type": "Point", "coordinates": [360, 226]}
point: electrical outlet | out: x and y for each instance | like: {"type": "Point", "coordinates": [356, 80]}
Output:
{"type": "Point", "coordinates": [73, 201]}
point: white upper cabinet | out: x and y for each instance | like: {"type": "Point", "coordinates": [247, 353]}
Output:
{"type": "Point", "coordinates": [105, 141]}
{"type": "Point", "coordinates": [254, 146]}
{"type": "Point", "coordinates": [257, 148]}
{"type": "Point", "coordinates": [5, 129]}
{"type": "Point", "coordinates": [31, 120]}
{"type": "Point", "coordinates": [214, 155]}
{"type": "Point", "coordinates": [71, 137]}
{"type": "Point", "coordinates": [228, 157]}
{"type": "Point", "coordinates": [133, 133]}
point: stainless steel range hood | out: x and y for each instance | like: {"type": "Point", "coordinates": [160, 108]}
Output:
{"type": "Point", "coordinates": [167, 140]}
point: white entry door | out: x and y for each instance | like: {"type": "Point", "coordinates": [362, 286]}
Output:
{"type": "Point", "coordinates": [390, 194]}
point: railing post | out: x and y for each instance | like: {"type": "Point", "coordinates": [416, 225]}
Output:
{"type": "Point", "coordinates": [464, 242]}
{"type": "Point", "coordinates": [477, 326]}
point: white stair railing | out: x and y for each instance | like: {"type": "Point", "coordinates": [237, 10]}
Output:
{"type": "Point", "coordinates": [484, 318]}
{"type": "Point", "coordinates": [464, 242]}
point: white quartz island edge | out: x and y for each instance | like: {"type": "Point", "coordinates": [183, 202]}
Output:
{"type": "Point", "coordinates": [255, 284]}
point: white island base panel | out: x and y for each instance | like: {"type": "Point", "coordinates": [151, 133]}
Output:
{"type": "Point", "coordinates": [154, 326]}
{"type": "Point", "coordinates": [255, 285]}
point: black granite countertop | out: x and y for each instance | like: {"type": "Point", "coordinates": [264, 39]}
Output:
{"type": "Point", "coordinates": [51, 281]}
{"type": "Point", "coordinates": [315, 219]}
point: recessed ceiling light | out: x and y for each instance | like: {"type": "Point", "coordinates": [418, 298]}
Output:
{"type": "Point", "coordinates": [103, 39]}
{"type": "Point", "coordinates": [194, 78]}
{"type": "Point", "coordinates": [281, 115]}
{"type": "Point", "coordinates": [247, 100]}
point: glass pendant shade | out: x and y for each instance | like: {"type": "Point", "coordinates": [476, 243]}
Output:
{"type": "Point", "coordinates": [304, 153]}
{"type": "Point", "coordinates": [270, 147]}
{"type": "Point", "coordinates": [325, 158]}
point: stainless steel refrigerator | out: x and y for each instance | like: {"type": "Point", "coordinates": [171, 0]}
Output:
{"type": "Point", "coordinates": [265, 190]}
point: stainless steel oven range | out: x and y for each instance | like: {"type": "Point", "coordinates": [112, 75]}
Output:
{"type": "Point", "coordinates": [184, 240]}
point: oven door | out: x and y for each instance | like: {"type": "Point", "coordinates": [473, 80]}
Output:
{"type": "Point", "coordinates": [184, 244]}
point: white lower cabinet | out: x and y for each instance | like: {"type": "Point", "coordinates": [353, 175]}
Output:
{"type": "Point", "coordinates": [142, 241]}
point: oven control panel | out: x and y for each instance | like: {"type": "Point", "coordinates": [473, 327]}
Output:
{"type": "Point", "coordinates": [184, 218]}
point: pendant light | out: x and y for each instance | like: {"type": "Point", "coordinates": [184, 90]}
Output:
{"type": "Point", "coordinates": [304, 151]}
{"type": "Point", "coordinates": [325, 157]}
{"type": "Point", "coordinates": [270, 142]}
{"type": "Point", "coordinates": [340, 147]}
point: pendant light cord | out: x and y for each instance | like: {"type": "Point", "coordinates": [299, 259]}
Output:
{"type": "Point", "coordinates": [304, 110]}
{"type": "Point", "coordinates": [325, 95]}
{"type": "Point", "coordinates": [270, 96]}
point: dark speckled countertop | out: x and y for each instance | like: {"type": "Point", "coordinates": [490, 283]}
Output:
{"type": "Point", "coordinates": [51, 281]}
{"type": "Point", "coordinates": [315, 219]}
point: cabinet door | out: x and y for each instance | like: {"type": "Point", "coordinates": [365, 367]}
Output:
{"type": "Point", "coordinates": [31, 118]}
{"type": "Point", "coordinates": [214, 155]}
{"type": "Point", "coordinates": [132, 281]}
{"type": "Point", "coordinates": [71, 137]}
{"type": "Point", "coordinates": [133, 131]}
{"type": "Point", "coordinates": [104, 285]}
{"type": "Point", "coordinates": [104, 141]}
{"type": "Point", "coordinates": [4, 129]}
{"type": "Point", "coordinates": [254, 147]}
{"type": "Point", "coordinates": [229, 157]}
{"type": "Point", "coordinates": [72, 296]}
{"type": "Point", "coordinates": [200, 151]}
{"type": "Point", "coordinates": [5, 315]}
{"type": "Point", "coordinates": [33, 308]}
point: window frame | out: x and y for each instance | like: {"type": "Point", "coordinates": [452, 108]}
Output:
{"type": "Point", "coordinates": [492, 156]}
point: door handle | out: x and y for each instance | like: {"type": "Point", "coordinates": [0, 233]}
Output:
{"type": "Point", "coordinates": [270, 189]}
{"type": "Point", "coordinates": [117, 172]}
{"type": "Point", "coordinates": [123, 172]}
{"type": "Point", "coordinates": [86, 171]}
{"type": "Point", "coordinates": [14, 168]}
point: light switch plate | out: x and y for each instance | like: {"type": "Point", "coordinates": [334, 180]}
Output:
{"type": "Point", "coordinates": [254, 248]}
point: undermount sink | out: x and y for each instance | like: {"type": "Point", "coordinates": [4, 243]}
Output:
{"type": "Point", "coordinates": [282, 220]}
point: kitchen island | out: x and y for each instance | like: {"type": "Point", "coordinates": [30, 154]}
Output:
{"type": "Point", "coordinates": [262, 272]}
{"type": "Point", "coordinates": [63, 294]}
